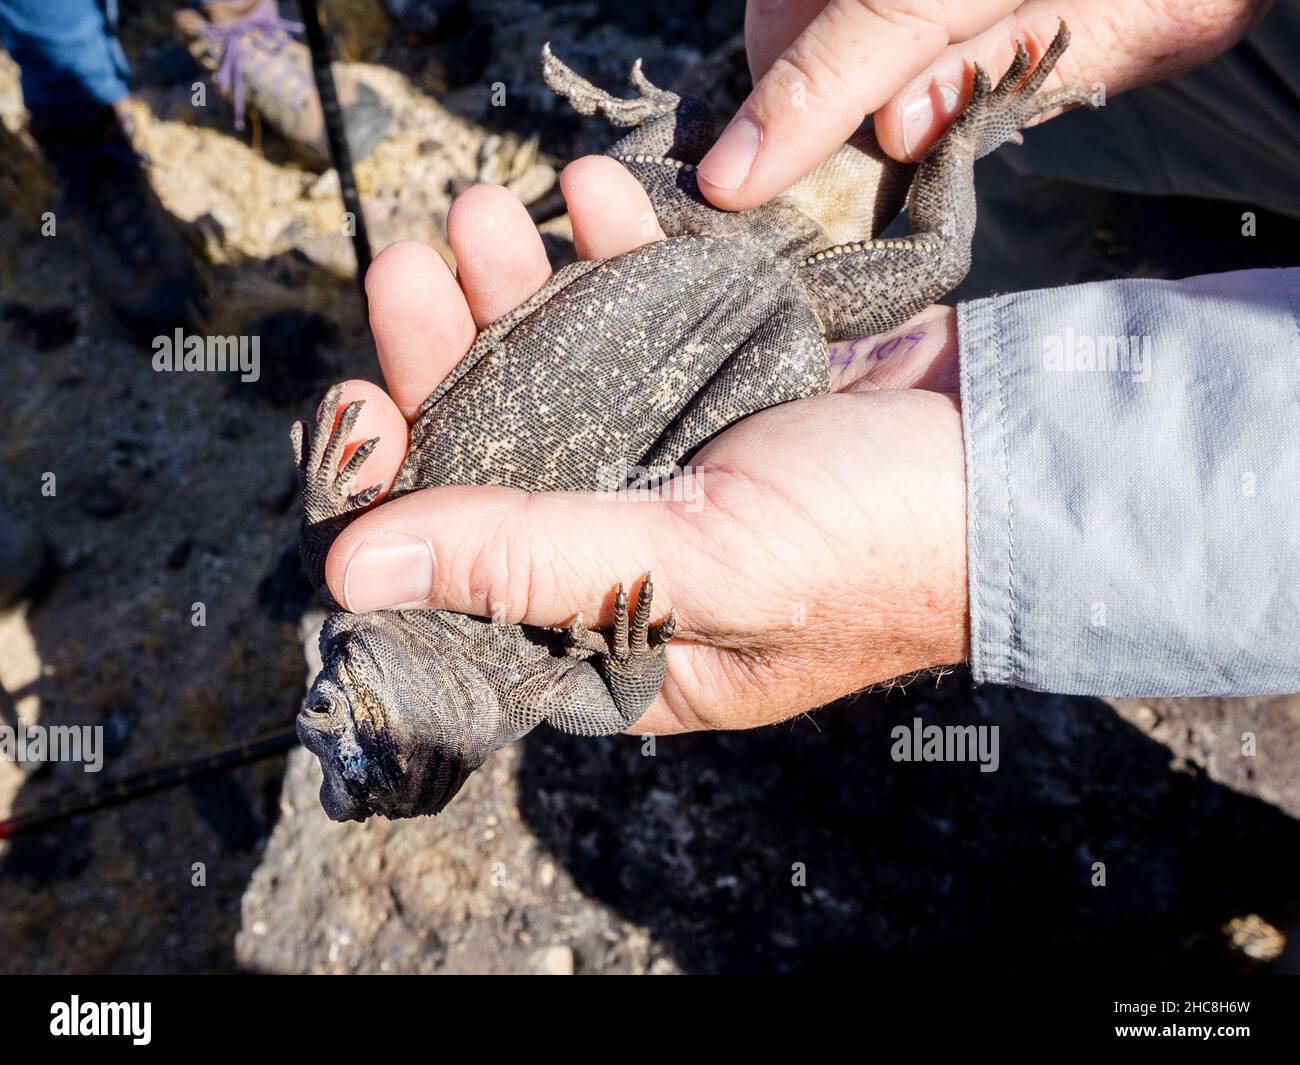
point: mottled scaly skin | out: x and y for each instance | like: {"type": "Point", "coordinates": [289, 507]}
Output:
{"type": "Point", "coordinates": [614, 368]}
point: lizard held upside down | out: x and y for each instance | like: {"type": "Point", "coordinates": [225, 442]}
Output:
{"type": "Point", "coordinates": [630, 364]}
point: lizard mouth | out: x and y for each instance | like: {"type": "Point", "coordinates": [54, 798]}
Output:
{"type": "Point", "coordinates": [356, 777]}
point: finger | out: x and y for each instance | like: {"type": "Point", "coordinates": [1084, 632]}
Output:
{"type": "Point", "coordinates": [498, 552]}
{"type": "Point", "coordinates": [909, 124]}
{"type": "Point", "coordinates": [850, 60]}
{"type": "Point", "coordinates": [921, 353]}
{"type": "Point", "coordinates": [500, 259]}
{"type": "Point", "coordinates": [771, 26]}
{"type": "Point", "coordinates": [420, 320]}
{"type": "Point", "coordinates": [609, 209]}
{"type": "Point", "coordinates": [379, 418]}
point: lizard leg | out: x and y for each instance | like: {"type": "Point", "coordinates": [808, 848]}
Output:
{"type": "Point", "coordinates": [630, 661]}
{"type": "Point", "coordinates": [872, 286]}
{"type": "Point", "coordinates": [577, 702]}
{"type": "Point", "coordinates": [671, 135]}
{"type": "Point", "coordinates": [668, 127]}
{"type": "Point", "coordinates": [650, 101]}
{"type": "Point", "coordinates": [327, 504]}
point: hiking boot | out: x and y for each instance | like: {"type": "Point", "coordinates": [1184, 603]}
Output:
{"type": "Point", "coordinates": [22, 557]}
{"type": "Point", "coordinates": [136, 260]}
{"type": "Point", "coordinates": [258, 63]}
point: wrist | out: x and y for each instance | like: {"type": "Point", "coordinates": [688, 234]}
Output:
{"type": "Point", "coordinates": [927, 624]}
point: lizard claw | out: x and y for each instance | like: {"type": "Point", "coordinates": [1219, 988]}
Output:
{"type": "Point", "coordinates": [1015, 73]}
{"type": "Point", "coordinates": [666, 630]}
{"type": "Point", "coordinates": [580, 641]}
{"type": "Point", "coordinates": [633, 639]}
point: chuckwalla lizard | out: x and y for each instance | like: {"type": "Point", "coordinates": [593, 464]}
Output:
{"type": "Point", "coordinates": [626, 364]}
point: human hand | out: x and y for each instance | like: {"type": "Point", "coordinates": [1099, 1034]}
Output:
{"type": "Point", "coordinates": [820, 67]}
{"type": "Point", "coordinates": [820, 546]}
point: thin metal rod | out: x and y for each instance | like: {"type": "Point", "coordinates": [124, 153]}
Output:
{"type": "Point", "coordinates": [126, 789]}
{"type": "Point", "coordinates": [318, 42]}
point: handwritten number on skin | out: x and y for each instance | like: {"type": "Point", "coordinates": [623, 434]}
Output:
{"type": "Point", "coordinates": [870, 349]}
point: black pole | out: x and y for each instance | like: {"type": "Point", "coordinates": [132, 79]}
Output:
{"type": "Point", "coordinates": [125, 789]}
{"type": "Point", "coordinates": [321, 56]}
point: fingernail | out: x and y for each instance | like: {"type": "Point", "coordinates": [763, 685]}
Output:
{"type": "Point", "coordinates": [388, 570]}
{"type": "Point", "coordinates": [728, 162]}
{"type": "Point", "coordinates": [925, 109]}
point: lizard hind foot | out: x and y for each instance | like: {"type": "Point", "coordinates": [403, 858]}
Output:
{"type": "Point", "coordinates": [585, 98]}
{"type": "Point", "coordinates": [995, 113]}
{"type": "Point", "coordinates": [631, 658]}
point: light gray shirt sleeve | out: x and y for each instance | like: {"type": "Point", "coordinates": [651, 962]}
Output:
{"type": "Point", "coordinates": [1133, 486]}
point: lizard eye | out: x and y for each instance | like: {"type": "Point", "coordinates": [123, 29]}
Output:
{"type": "Point", "coordinates": [319, 708]}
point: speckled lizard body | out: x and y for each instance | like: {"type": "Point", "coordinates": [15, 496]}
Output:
{"type": "Point", "coordinates": [615, 368]}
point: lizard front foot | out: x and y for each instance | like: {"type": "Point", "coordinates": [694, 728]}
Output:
{"type": "Point", "coordinates": [631, 659]}
{"type": "Point", "coordinates": [327, 505]}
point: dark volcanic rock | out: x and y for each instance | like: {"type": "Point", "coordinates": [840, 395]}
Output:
{"type": "Point", "coordinates": [293, 369]}
{"type": "Point", "coordinates": [47, 329]}
{"type": "Point", "coordinates": [100, 499]}
{"type": "Point", "coordinates": [284, 593]}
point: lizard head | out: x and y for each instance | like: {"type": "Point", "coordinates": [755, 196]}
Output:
{"type": "Point", "coordinates": [391, 716]}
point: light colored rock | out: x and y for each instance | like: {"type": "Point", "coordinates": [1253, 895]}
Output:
{"type": "Point", "coordinates": [555, 961]}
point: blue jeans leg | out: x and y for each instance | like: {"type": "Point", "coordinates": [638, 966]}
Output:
{"type": "Point", "coordinates": [71, 62]}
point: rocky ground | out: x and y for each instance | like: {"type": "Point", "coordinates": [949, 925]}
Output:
{"type": "Point", "coordinates": [800, 847]}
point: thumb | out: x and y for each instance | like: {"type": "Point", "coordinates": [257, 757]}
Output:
{"type": "Point", "coordinates": [502, 553]}
{"type": "Point", "coordinates": [848, 61]}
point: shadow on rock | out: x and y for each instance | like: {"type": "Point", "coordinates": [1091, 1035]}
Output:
{"type": "Point", "coordinates": [921, 862]}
